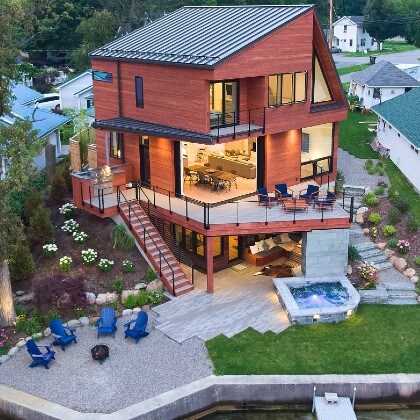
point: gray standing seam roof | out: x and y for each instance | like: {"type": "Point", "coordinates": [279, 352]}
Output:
{"type": "Point", "coordinates": [200, 35]}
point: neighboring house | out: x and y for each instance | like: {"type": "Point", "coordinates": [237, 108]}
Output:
{"type": "Point", "coordinates": [351, 36]}
{"type": "Point", "coordinates": [379, 83]}
{"type": "Point", "coordinates": [412, 70]}
{"type": "Point", "coordinates": [399, 132]}
{"type": "Point", "coordinates": [240, 98]}
{"type": "Point", "coordinates": [77, 93]}
{"type": "Point", "coordinates": [46, 122]}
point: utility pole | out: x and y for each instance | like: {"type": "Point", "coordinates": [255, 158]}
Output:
{"type": "Point", "coordinates": [331, 25]}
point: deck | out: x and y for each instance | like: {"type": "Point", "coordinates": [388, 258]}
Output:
{"type": "Point", "coordinates": [342, 409]}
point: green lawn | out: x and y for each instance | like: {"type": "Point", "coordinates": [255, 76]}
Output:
{"type": "Point", "coordinates": [377, 339]}
{"type": "Point", "coordinates": [389, 47]}
{"type": "Point", "coordinates": [351, 69]}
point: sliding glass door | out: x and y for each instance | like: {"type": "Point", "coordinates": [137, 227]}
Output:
{"type": "Point", "coordinates": [224, 104]}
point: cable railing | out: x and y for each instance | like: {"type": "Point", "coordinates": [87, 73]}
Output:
{"type": "Point", "coordinates": [91, 189]}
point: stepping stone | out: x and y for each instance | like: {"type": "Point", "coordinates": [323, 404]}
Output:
{"type": "Point", "coordinates": [364, 246]}
{"type": "Point", "coordinates": [374, 252]}
{"type": "Point", "coordinates": [383, 266]}
{"type": "Point", "coordinates": [377, 259]}
{"type": "Point", "coordinates": [393, 301]}
{"type": "Point", "coordinates": [399, 286]}
{"type": "Point", "coordinates": [404, 294]}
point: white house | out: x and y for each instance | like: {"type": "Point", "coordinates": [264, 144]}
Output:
{"type": "Point", "coordinates": [351, 36]}
{"type": "Point", "coordinates": [77, 93]}
{"type": "Point", "coordinates": [411, 69]}
{"type": "Point", "coordinates": [379, 83]}
{"type": "Point", "coordinates": [399, 131]}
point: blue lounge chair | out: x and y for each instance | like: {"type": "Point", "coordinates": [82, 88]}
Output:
{"type": "Point", "coordinates": [264, 198]}
{"type": "Point", "coordinates": [107, 322]}
{"type": "Point", "coordinates": [62, 335]}
{"type": "Point", "coordinates": [283, 192]}
{"type": "Point", "coordinates": [139, 329]}
{"type": "Point", "coordinates": [39, 357]}
{"type": "Point", "coordinates": [326, 202]}
{"type": "Point", "coordinates": [311, 193]}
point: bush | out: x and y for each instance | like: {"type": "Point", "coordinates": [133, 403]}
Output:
{"type": "Point", "coordinates": [374, 218]}
{"type": "Point", "coordinates": [67, 210]}
{"type": "Point", "coordinates": [117, 285]}
{"type": "Point", "coordinates": [64, 170]}
{"type": "Point", "coordinates": [130, 301]}
{"type": "Point", "coordinates": [120, 237]}
{"type": "Point", "coordinates": [33, 201]}
{"type": "Point", "coordinates": [127, 266]}
{"type": "Point", "coordinates": [58, 188]}
{"type": "Point", "coordinates": [339, 182]}
{"type": "Point", "coordinates": [150, 274]}
{"type": "Point", "coordinates": [65, 263]}
{"type": "Point", "coordinates": [369, 164]}
{"type": "Point", "coordinates": [379, 190]}
{"type": "Point", "coordinates": [89, 256]}
{"type": "Point", "coordinates": [59, 291]}
{"type": "Point", "coordinates": [80, 237]}
{"type": "Point", "coordinates": [50, 250]}
{"type": "Point", "coordinates": [389, 230]}
{"type": "Point", "coordinates": [70, 226]}
{"type": "Point", "coordinates": [403, 246]}
{"type": "Point", "coordinates": [417, 260]}
{"type": "Point", "coordinates": [353, 253]}
{"type": "Point", "coordinates": [393, 193]}
{"type": "Point", "coordinates": [22, 264]}
{"type": "Point", "coordinates": [412, 224]}
{"type": "Point", "coordinates": [370, 199]}
{"type": "Point", "coordinates": [105, 265]}
{"type": "Point", "coordinates": [142, 298]}
{"type": "Point", "coordinates": [155, 296]}
{"type": "Point", "coordinates": [27, 325]}
{"type": "Point", "coordinates": [392, 243]}
{"type": "Point", "coordinates": [394, 216]}
{"type": "Point", "coordinates": [41, 230]}
{"type": "Point", "coordinates": [401, 204]}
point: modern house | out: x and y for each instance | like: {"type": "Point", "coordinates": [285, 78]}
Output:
{"type": "Point", "coordinates": [199, 109]}
{"type": "Point", "coordinates": [45, 122]}
{"type": "Point", "coordinates": [399, 131]}
{"type": "Point", "coordinates": [351, 36]}
{"type": "Point", "coordinates": [380, 82]}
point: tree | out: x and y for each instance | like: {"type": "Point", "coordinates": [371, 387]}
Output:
{"type": "Point", "coordinates": [410, 14]}
{"type": "Point", "coordinates": [41, 230]}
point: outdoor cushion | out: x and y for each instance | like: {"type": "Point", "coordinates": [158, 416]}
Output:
{"type": "Point", "coordinates": [265, 246]}
{"type": "Point", "coordinates": [270, 242]}
{"type": "Point", "coordinates": [253, 249]}
{"type": "Point", "coordinates": [260, 245]}
{"type": "Point", "coordinates": [284, 237]}
{"type": "Point", "coordinates": [277, 239]}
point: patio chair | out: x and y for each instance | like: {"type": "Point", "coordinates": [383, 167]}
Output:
{"type": "Point", "coordinates": [217, 184]}
{"type": "Point", "coordinates": [264, 198]}
{"type": "Point", "coordinates": [233, 172]}
{"type": "Point", "coordinates": [62, 335]}
{"type": "Point", "coordinates": [190, 176]}
{"type": "Point", "coordinates": [310, 194]}
{"type": "Point", "coordinates": [327, 202]}
{"type": "Point", "coordinates": [283, 192]}
{"type": "Point", "coordinates": [107, 322]}
{"type": "Point", "coordinates": [139, 329]}
{"type": "Point", "coordinates": [39, 357]}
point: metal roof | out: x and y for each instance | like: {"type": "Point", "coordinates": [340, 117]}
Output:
{"type": "Point", "coordinates": [403, 113]}
{"type": "Point", "coordinates": [384, 74]}
{"type": "Point", "coordinates": [150, 129]}
{"type": "Point", "coordinates": [200, 35]}
{"type": "Point", "coordinates": [25, 95]}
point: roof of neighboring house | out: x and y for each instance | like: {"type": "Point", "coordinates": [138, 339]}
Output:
{"type": "Point", "coordinates": [42, 120]}
{"type": "Point", "coordinates": [402, 112]}
{"type": "Point", "coordinates": [358, 20]}
{"type": "Point", "coordinates": [89, 71]}
{"type": "Point", "coordinates": [201, 35]}
{"type": "Point", "coordinates": [25, 95]}
{"type": "Point", "coordinates": [91, 111]}
{"type": "Point", "coordinates": [84, 90]}
{"type": "Point", "coordinates": [384, 74]}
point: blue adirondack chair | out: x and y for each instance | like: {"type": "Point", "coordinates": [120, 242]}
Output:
{"type": "Point", "coordinates": [39, 357]}
{"type": "Point", "coordinates": [264, 198]}
{"type": "Point", "coordinates": [107, 322]}
{"type": "Point", "coordinates": [139, 329]}
{"type": "Point", "coordinates": [326, 202]}
{"type": "Point", "coordinates": [282, 191]}
{"type": "Point", "coordinates": [62, 335]}
{"type": "Point", "coordinates": [311, 193]}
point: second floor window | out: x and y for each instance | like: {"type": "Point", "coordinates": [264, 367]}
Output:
{"type": "Point", "coordinates": [139, 92]}
{"type": "Point", "coordinates": [286, 88]}
{"type": "Point", "coordinates": [345, 29]}
{"type": "Point", "coordinates": [115, 145]}
{"type": "Point", "coordinates": [102, 76]}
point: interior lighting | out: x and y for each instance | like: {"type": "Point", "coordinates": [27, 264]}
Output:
{"type": "Point", "coordinates": [316, 318]}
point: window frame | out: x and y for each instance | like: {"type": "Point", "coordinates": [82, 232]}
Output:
{"type": "Point", "coordinates": [139, 102]}
{"type": "Point", "coordinates": [107, 78]}
{"type": "Point", "coordinates": [313, 103]}
{"type": "Point", "coordinates": [115, 136]}
{"type": "Point", "coordinates": [279, 93]}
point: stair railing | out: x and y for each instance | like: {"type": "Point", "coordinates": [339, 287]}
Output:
{"type": "Point", "coordinates": [351, 210]}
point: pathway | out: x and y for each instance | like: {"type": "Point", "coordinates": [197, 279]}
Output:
{"type": "Point", "coordinates": [407, 57]}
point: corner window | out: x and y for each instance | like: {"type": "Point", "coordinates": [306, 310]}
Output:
{"type": "Point", "coordinates": [102, 76]}
{"type": "Point", "coordinates": [287, 88]}
{"type": "Point", "coordinates": [115, 145]}
{"type": "Point", "coordinates": [320, 88]}
{"type": "Point", "coordinates": [139, 92]}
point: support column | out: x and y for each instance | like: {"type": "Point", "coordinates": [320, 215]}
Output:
{"type": "Point", "coordinates": [209, 263]}
{"type": "Point", "coordinates": [106, 140]}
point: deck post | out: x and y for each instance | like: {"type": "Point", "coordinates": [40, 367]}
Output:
{"type": "Point", "coordinates": [209, 263]}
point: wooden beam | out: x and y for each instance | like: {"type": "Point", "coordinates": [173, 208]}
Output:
{"type": "Point", "coordinates": [209, 263]}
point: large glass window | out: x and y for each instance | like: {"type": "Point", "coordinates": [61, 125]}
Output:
{"type": "Point", "coordinates": [224, 103]}
{"type": "Point", "coordinates": [139, 92]}
{"type": "Point", "coordinates": [321, 91]}
{"type": "Point", "coordinates": [115, 145]}
{"type": "Point", "coordinates": [102, 76]}
{"type": "Point", "coordinates": [287, 88]}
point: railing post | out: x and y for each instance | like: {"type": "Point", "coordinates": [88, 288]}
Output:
{"type": "Point", "coordinates": [218, 127]}
{"type": "Point", "coordinates": [81, 194]}
{"type": "Point", "coordinates": [154, 196]}
{"type": "Point", "coordinates": [294, 212]}
{"type": "Point", "coordinates": [186, 208]}
{"type": "Point", "coordinates": [205, 216]}
{"type": "Point", "coordinates": [192, 274]}
{"type": "Point", "coordinates": [266, 215]}
{"type": "Point", "coordinates": [170, 206]}
{"type": "Point", "coordinates": [351, 208]}
{"type": "Point", "coordinates": [234, 125]}
{"type": "Point", "coordinates": [249, 122]}
{"type": "Point", "coordinates": [101, 201]}
{"type": "Point", "coordinates": [118, 198]}
{"type": "Point", "coordinates": [322, 214]}
{"type": "Point", "coordinates": [90, 196]}
{"type": "Point", "coordinates": [137, 191]}
{"type": "Point", "coordinates": [129, 216]}
{"type": "Point", "coordinates": [237, 213]}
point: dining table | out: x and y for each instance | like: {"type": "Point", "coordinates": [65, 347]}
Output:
{"type": "Point", "coordinates": [227, 177]}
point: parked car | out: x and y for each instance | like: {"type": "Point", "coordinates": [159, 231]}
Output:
{"type": "Point", "coordinates": [50, 101]}
{"type": "Point", "coordinates": [335, 50]}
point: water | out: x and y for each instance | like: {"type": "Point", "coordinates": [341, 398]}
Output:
{"type": "Point", "coordinates": [319, 295]}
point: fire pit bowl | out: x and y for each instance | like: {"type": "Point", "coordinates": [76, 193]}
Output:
{"type": "Point", "coordinates": [100, 352]}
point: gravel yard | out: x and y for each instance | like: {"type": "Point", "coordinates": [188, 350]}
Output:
{"type": "Point", "coordinates": [132, 373]}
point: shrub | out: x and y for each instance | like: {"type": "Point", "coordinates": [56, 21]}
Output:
{"type": "Point", "coordinates": [374, 218]}
{"type": "Point", "coordinates": [33, 201]}
{"type": "Point", "coordinates": [155, 296]}
{"type": "Point", "coordinates": [4, 346]}
{"type": "Point", "coordinates": [389, 230]}
{"type": "Point", "coordinates": [64, 170]}
{"type": "Point", "coordinates": [67, 210]}
{"type": "Point", "coordinates": [382, 184]}
{"type": "Point", "coordinates": [127, 266]}
{"type": "Point", "coordinates": [379, 190]}
{"type": "Point", "coordinates": [394, 216]}
{"type": "Point", "coordinates": [412, 224]}
{"type": "Point", "coordinates": [368, 272]}
{"type": "Point", "coordinates": [339, 182]}
{"type": "Point", "coordinates": [117, 285]}
{"type": "Point", "coordinates": [130, 301]}
{"type": "Point", "coordinates": [353, 253]}
{"type": "Point", "coordinates": [65, 263]}
{"type": "Point", "coordinates": [150, 274]}
{"type": "Point", "coordinates": [417, 260]}
{"type": "Point", "coordinates": [393, 193]}
{"type": "Point", "coordinates": [374, 231]}
{"type": "Point", "coordinates": [59, 291]}
{"type": "Point", "coordinates": [120, 237]}
{"type": "Point", "coordinates": [27, 325]}
{"type": "Point", "coordinates": [50, 250]}
{"type": "Point", "coordinates": [80, 237]}
{"type": "Point", "coordinates": [392, 243]}
{"type": "Point", "coordinates": [142, 298]}
{"type": "Point", "coordinates": [51, 314]}
{"type": "Point", "coordinates": [403, 246]}
{"type": "Point", "coordinates": [370, 199]}
{"type": "Point", "coordinates": [105, 265]}
{"type": "Point", "coordinates": [41, 230]}
{"type": "Point", "coordinates": [70, 226]}
{"type": "Point", "coordinates": [89, 256]}
{"type": "Point", "coordinates": [58, 188]}
{"type": "Point", "coordinates": [22, 263]}
{"type": "Point", "coordinates": [401, 204]}
{"type": "Point", "coordinates": [20, 308]}
{"type": "Point", "coordinates": [369, 164]}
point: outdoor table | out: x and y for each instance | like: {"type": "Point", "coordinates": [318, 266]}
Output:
{"type": "Point", "coordinates": [291, 205]}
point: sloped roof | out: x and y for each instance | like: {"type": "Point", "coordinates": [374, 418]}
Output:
{"type": "Point", "coordinates": [200, 35]}
{"type": "Point", "coordinates": [383, 74]}
{"type": "Point", "coordinates": [403, 114]}
{"type": "Point", "coordinates": [25, 95]}
{"type": "Point", "coordinates": [358, 20]}
{"type": "Point", "coordinates": [69, 82]}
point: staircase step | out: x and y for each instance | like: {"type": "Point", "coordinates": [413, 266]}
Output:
{"type": "Point", "coordinates": [377, 259]}
{"type": "Point", "coordinates": [364, 246]}
{"type": "Point", "coordinates": [398, 293]}
{"type": "Point", "coordinates": [370, 253]}
{"type": "Point", "coordinates": [394, 301]}
{"type": "Point", "coordinates": [399, 286]}
{"type": "Point", "coordinates": [383, 266]}
{"type": "Point", "coordinates": [184, 289]}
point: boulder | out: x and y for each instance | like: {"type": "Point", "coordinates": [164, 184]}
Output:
{"type": "Point", "coordinates": [27, 339]}
{"type": "Point", "coordinates": [410, 272]}
{"type": "Point", "coordinates": [37, 336]}
{"type": "Point", "coordinates": [366, 231]}
{"type": "Point", "coordinates": [47, 332]}
{"type": "Point", "coordinates": [126, 293]}
{"type": "Point", "coordinates": [349, 269]}
{"type": "Point", "coordinates": [362, 210]}
{"type": "Point", "coordinates": [389, 253]}
{"type": "Point", "coordinates": [381, 245]}
{"type": "Point", "coordinates": [26, 298]}
{"type": "Point", "coordinates": [4, 359]}
{"type": "Point", "coordinates": [84, 320]}
{"type": "Point", "coordinates": [359, 218]}
{"type": "Point", "coordinates": [21, 343]}
{"type": "Point", "coordinates": [400, 264]}
{"type": "Point", "coordinates": [392, 259]}
{"type": "Point", "coordinates": [127, 312]}
{"type": "Point", "coordinates": [74, 323]}
{"type": "Point", "coordinates": [91, 297]}
{"type": "Point", "coordinates": [103, 298]}
{"type": "Point", "coordinates": [13, 351]}
{"type": "Point", "coordinates": [136, 310]}
{"type": "Point", "coordinates": [93, 319]}
{"type": "Point", "coordinates": [414, 279]}
{"type": "Point", "coordinates": [140, 286]}
{"type": "Point", "coordinates": [20, 293]}
{"type": "Point", "coordinates": [145, 308]}
{"type": "Point", "coordinates": [155, 285]}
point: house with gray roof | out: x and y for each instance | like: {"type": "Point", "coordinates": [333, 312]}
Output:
{"type": "Point", "coordinates": [399, 131]}
{"type": "Point", "coordinates": [350, 35]}
{"type": "Point", "coordinates": [380, 82]}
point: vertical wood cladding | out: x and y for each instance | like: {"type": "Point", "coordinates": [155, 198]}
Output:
{"type": "Point", "coordinates": [162, 163]}
{"type": "Point", "coordinates": [283, 158]}
{"type": "Point", "coordinates": [132, 154]}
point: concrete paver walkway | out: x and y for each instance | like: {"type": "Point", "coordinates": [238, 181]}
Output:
{"type": "Point", "coordinates": [240, 300]}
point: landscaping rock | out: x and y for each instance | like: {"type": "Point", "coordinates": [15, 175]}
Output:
{"type": "Point", "coordinates": [414, 279]}
{"type": "Point", "coordinates": [136, 310]}
{"type": "Point", "coordinates": [140, 286]}
{"type": "Point", "coordinates": [145, 308]}
{"type": "Point", "coordinates": [84, 320]}
{"type": "Point", "coordinates": [126, 293]}
{"type": "Point", "coordinates": [27, 339]}
{"type": "Point", "coordinates": [389, 253]}
{"type": "Point", "coordinates": [91, 297]}
{"type": "Point", "coordinates": [362, 210]}
{"type": "Point", "coordinates": [359, 218]}
{"type": "Point", "coordinates": [26, 298]}
{"type": "Point", "coordinates": [47, 332]}
{"type": "Point", "coordinates": [74, 323]}
{"type": "Point", "coordinates": [103, 298]}
{"type": "Point", "coordinates": [13, 351]}
{"type": "Point", "coordinates": [349, 269]}
{"type": "Point", "coordinates": [20, 293]}
{"type": "Point", "coordinates": [410, 272]}
{"type": "Point", "coordinates": [127, 312]}
{"type": "Point", "coordinates": [392, 259]}
{"type": "Point", "coordinates": [4, 359]}
{"type": "Point", "coordinates": [366, 231]}
{"type": "Point", "coordinates": [381, 245]}
{"type": "Point", "coordinates": [400, 264]}
{"type": "Point", "coordinates": [21, 343]}
{"type": "Point", "coordinates": [155, 285]}
{"type": "Point", "coordinates": [93, 319]}
{"type": "Point", "coordinates": [37, 336]}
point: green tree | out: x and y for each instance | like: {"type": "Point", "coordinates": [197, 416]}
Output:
{"type": "Point", "coordinates": [409, 11]}
{"type": "Point", "coordinates": [41, 230]}
{"type": "Point", "coordinates": [349, 8]}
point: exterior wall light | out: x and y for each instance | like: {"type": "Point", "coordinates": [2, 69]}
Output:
{"type": "Point", "coordinates": [316, 318]}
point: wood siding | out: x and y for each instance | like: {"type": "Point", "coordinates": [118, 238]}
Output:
{"type": "Point", "coordinates": [162, 172]}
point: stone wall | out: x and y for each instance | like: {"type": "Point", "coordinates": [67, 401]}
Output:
{"type": "Point", "coordinates": [325, 252]}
